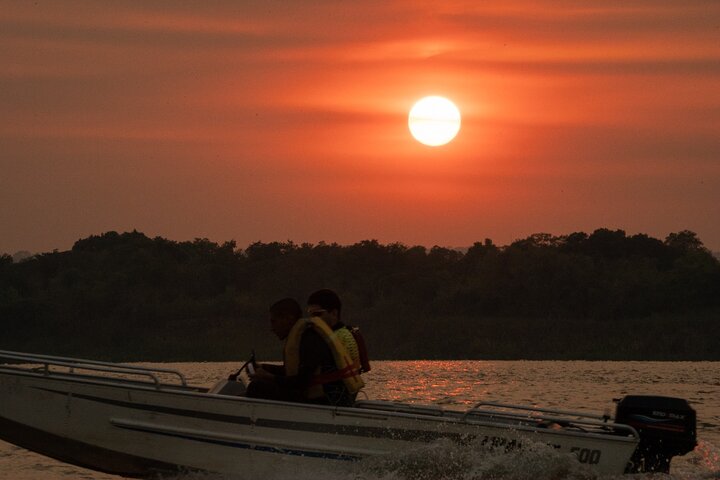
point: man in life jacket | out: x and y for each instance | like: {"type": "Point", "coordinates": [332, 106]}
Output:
{"type": "Point", "coordinates": [326, 305]}
{"type": "Point", "coordinates": [316, 365]}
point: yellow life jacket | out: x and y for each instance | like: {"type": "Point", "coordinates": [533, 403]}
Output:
{"type": "Point", "coordinates": [348, 340]}
{"type": "Point", "coordinates": [347, 364]}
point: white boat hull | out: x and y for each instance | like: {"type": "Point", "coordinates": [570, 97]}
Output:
{"type": "Point", "coordinates": [138, 429]}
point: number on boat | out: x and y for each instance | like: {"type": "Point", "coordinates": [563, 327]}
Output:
{"type": "Point", "coordinates": [585, 455]}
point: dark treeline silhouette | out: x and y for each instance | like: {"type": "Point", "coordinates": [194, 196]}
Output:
{"type": "Point", "coordinates": [606, 295]}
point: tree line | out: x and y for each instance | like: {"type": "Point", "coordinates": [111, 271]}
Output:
{"type": "Point", "coordinates": [604, 295]}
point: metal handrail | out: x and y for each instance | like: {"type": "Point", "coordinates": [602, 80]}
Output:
{"type": "Point", "coordinates": [581, 419]}
{"type": "Point", "coordinates": [401, 407]}
{"type": "Point", "coordinates": [76, 363]}
{"type": "Point", "coordinates": [533, 409]}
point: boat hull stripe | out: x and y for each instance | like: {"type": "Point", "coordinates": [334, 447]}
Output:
{"type": "Point", "coordinates": [238, 420]}
{"type": "Point", "coordinates": [351, 430]}
{"type": "Point", "coordinates": [242, 445]}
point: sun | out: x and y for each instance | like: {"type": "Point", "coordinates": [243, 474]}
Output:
{"type": "Point", "coordinates": [434, 121]}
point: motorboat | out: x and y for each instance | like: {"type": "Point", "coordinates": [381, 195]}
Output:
{"type": "Point", "coordinates": [141, 422]}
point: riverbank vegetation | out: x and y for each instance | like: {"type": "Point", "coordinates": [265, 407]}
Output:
{"type": "Point", "coordinates": [604, 295]}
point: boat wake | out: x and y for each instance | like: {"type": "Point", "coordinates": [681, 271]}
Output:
{"type": "Point", "coordinates": [705, 458]}
{"type": "Point", "coordinates": [447, 460]}
{"type": "Point", "coordinates": [444, 460]}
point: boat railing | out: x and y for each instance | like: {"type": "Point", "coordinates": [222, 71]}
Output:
{"type": "Point", "coordinates": [518, 415]}
{"type": "Point", "coordinates": [561, 418]}
{"type": "Point", "coordinates": [399, 407]}
{"type": "Point", "coordinates": [73, 365]}
{"type": "Point", "coordinates": [534, 410]}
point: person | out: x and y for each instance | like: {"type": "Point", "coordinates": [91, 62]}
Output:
{"type": "Point", "coordinates": [326, 304]}
{"type": "Point", "coordinates": [316, 366]}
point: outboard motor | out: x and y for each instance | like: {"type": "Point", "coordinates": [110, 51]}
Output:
{"type": "Point", "coordinates": [666, 426]}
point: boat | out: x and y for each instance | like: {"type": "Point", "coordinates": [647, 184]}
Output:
{"type": "Point", "coordinates": [143, 422]}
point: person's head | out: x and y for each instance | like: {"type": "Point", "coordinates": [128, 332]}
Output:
{"type": "Point", "coordinates": [325, 304]}
{"type": "Point", "coordinates": [283, 315]}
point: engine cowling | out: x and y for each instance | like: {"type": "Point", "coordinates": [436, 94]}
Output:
{"type": "Point", "coordinates": [667, 428]}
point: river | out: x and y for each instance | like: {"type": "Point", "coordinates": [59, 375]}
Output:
{"type": "Point", "coordinates": [568, 385]}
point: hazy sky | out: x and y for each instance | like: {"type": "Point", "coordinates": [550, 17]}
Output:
{"type": "Point", "coordinates": [288, 120]}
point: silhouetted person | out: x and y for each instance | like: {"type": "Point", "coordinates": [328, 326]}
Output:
{"type": "Point", "coordinates": [326, 304]}
{"type": "Point", "coordinates": [316, 366]}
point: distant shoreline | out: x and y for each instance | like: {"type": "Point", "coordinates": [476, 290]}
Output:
{"type": "Point", "coordinates": [600, 296]}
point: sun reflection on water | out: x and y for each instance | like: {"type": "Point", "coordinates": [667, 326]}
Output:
{"type": "Point", "coordinates": [431, 381]}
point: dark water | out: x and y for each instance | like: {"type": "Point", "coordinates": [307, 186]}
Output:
{"type": "Point", "coordinates": [579, 386]}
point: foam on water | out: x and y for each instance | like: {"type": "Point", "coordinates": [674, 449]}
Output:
{"type": "Point", "coordinates": [704, 460]}
{"type": "Point", "coordinates": [444, 460]}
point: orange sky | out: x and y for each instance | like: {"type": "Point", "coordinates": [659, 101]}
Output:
{"type": "Point", "coordinates": [288, 120]}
